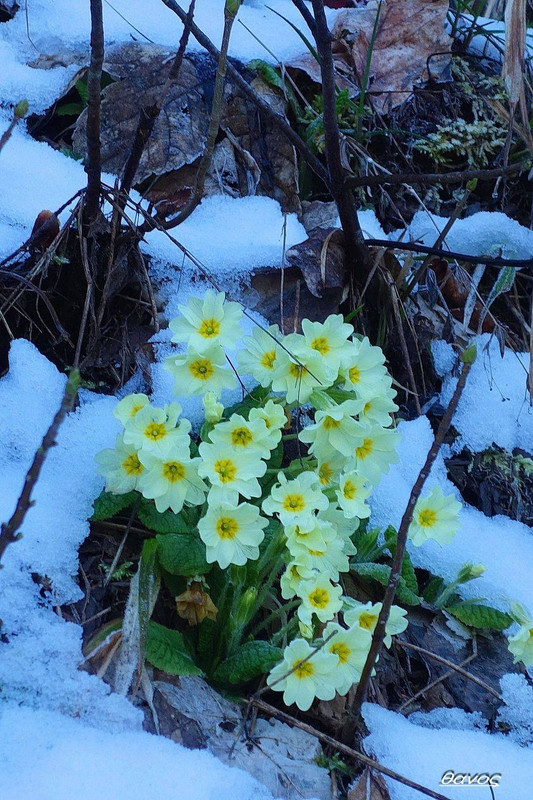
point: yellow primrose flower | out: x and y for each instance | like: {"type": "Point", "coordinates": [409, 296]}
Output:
{"type": "Point", "coordinates": [128, 407]}
{"type": "Point", "coordinates": [273, 415]}
{"type": "Point", "coordinates": [375, 451]}
{"type": "Point", "coordinates": [154, 429]}
{"type": "Point", "coordinates": [292, 577]}
{"type": "Point", "coordinates": [521, 642]}
{"type": "Point", "coordinates": [296, 501]}
{"type": "Point", "coordinates": [240, 435]}
{"type": "Point", "coordinates": [328, 561]}
{"type": "Point", "coordinates": [435, 516]}
{"type": "Point", "coordinates": [207, 321]}
{"type": "Point", "coordinates": [344, 526]}
{"type": "Point", "coordinates": [364, 367]}
{"type": "Point", "coordinates": [213, 410]}
{"type": "Point", "coordinates": [171, 480]}
{"type": "Point", "coordinates": [319, 596]}
{"type": "Point", "coordinates": [351, 647]}
{"type": "Point", "coordinates": [299, 370]}
{"type": "Point", "coordinates": [306, 680]}
{"type": "Point", "coordinates": [352, 493]}
{"type": "Point", "coordinates": [198, 372]}
{"type": "Point", "coordinates": [378, 405]}
{"type": "Point", "coordinates": [334, 431]}
{"type": "Point", "coordinates": [329, 469]}
{"type": "Point", "coordinates": [232, 534]}
{"type": "Point", "coordinates": [365, 615]}
{"type": "Point", "coordinates": [315, 537]}
{"type": "Point", "coordinates": [234, 473]}
{"type": "Point", "coordinates": [120, 466]}
{"type": "Point", "coordinates": [259, 355]}
{"type": "Point", "coordinates": [331, 340]}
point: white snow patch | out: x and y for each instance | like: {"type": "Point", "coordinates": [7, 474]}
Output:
{"type": "Point", "coordinates": [503, 545]}
{"type": "Point", "coordinates": [488, 233]}
{"type": "Point", "coordinates": [58, 758]}
{"type": "Point", "coordinates": [424, 755]}
{"type": "Point", "coordinates": [64, 25]}
{"type": "Point", "coordinates": [494, 407]}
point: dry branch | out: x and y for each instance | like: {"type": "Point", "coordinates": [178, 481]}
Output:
{"type": "Point", "coordinates": [94, 84]}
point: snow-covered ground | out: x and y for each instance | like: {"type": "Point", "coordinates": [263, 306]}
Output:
{"type": "Point", "coordinates": [63, 734]}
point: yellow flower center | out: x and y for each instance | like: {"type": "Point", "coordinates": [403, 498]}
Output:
{"type": "Point", "coordinates": [427, 518]}
{"type": "Point", "coordinates": [173, 471]}
{"type": "Point", "coordinates": [354, 374]}
{"type": "Point", "coordinates": [201, 369]}
{"type": "Point", "coordinates": [321, 345]}
{"type": "Point", "coordinates": [227, 527]}
{"type": "Point", "coordinates": [349, 490]}
{"type": "Point", "coordinates": [209, 328]}
{"type": "Point", "coordinates": [155, 431]}
{"type": "Point", "coordinates": [302, 671]}
{"type": "Point", "coordinates": [368, 620]}
{"type": "Point", "coordinates": [131, 465]}
{"type": "Point", "coordinates": [325, 474]}
{"type": "Point", "coordinates": [268, 359]}
{"type": "Point", "coordinates": [367, 407]}
{"type": "Point", "coordinates": [241, 437]}
{"type": "Point", "coordinates": [295, 370]}
{"type": "Point", "coordinates": [365, 449]}
{"type": "Point", "coordinates": [316, 552]}
{"type": "Point", "coordinates": [294, 503]}
{"type": "Point", "coordinates": [319, 598]}
{"type": "Point", "coordinates": [226, 470]}
{"type": "Point", "coordinates": [329, 423]}
{"type": "Point", "coordinates": [135, 409]}
{"type": "Point", "coordinates": [341, 650]}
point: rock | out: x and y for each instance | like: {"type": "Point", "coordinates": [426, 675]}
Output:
{"type": "Point", "coordinates": [280, 757]}
{"type": "Point", "coordinates": [8, 9]}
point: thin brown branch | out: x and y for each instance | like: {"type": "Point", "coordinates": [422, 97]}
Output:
{"type": "Point", "coordinates": [428, 178]}
{"type": "Point", "coordinates": [343, 748]}
{"type": "Point", "coordinates": [396, 569]}
{"type": "Point", "coordinates": [414, 247]}
{"type": "Point", "coordinates": [149, 114]}
{"type": "Point", "coordinates": [10, 531]}
{"type": "Point", "coordinates": [357, 254]}
{"type": "Point", "coordinates": [214, 125]}
{"type": "Point", "coordinates": [454, 667]}
{"type": "Point", "coordinates": [94, 87]}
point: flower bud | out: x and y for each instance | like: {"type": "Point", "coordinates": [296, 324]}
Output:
{"type": "Point", "coordinates": [305, 630]}
{"type": "Point", "coordinates": [246, 605]}
{"type": "Point", "coordinates": [21, 109]}
{"type": "Point", "coordinates": [212, 408]}
{"type": "Point", "coordinates": [470, 571]}
{"type": "Point", "coordinates": [469, 354]}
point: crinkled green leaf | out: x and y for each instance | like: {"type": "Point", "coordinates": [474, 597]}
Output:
{"type": "Point", "coordinates": [381, 573]}
{"type": "Point", "coordinates": [477, 615]}
{"type": "Point", "coordinates": [251, 659]}
{"type": "Point", "coordinates": [166, 650]}
{"type": "Point", "coordinates": [182, 555]}
{"type": "Point", "coordinates": [166, 522]}
{"type": "Point", "coordinates": [433, 588]}
{"type": "Point", "coordinates": [107, 504]}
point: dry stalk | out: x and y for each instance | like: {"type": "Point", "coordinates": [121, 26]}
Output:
{"type": "Point", "coordinates": [94, 84]}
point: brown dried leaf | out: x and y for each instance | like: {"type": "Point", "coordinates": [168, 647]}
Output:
{"type": "Point", "coordinates": [368, 787]}
{"type": "Point", "coordinates": [409, 32]}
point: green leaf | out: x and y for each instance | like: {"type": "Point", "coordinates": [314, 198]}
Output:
{"type": "Point", "coordinates": [166, 650]}
{"type": "Point", "coordinates": [367, 545]}
{"type": "Point", "coordinates": [433, 588]}
{"type": "Point", "coordinates": [149, 584]}
{"type": "Point", "coordinates": [477, 615]}
{"type": "Point", "coordinates": [250, 659]}
{"type": "Point", "coordinates": [182, 555]}
{"type": "Point", "coordinates": [167, 522]}
{"type": "Point", "coordinates": [107, 505]}
{"type": "Point", "coordinates": [83, 89]}
{"type": "Point", "coordinates": [381, 574]}
{"type": "Point", "coordinates": [409, 575]}
{"type": "Point", "coordinates": [69, 110]}
{"type": "Point", "coordinates": [271, 76]}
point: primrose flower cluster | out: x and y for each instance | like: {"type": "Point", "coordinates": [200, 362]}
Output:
{"type": "Point", "coordinates": [316, 500]}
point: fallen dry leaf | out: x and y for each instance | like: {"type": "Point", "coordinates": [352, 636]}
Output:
{"type": "Point", "coordinates": [409, 33]}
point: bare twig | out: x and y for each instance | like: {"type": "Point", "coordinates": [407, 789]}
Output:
{"type": "Point", "coordinates": [10, 531]}
{"type": "Point", "coordinates": [414, 247]}
{"type": "Point", "coordinates": [429, 178]}
{"type": "Point", "coordinates": [94, 87]}
{"type": "Point", "coordinates": [149, 114]}
{"type": "Point", "coordinates": [343, 748]}
{"type": "Point", "coordinates": [396, 569]}
{"type": "Point", "coordinates": [357, 254]}
{"type": "Point", "coordinates": [214, 125]}
{"type": "Point", "coordinates": [453, 667]}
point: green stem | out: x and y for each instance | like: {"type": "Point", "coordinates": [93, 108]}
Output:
{"type": "Point", "coordinates": [274, 615]}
